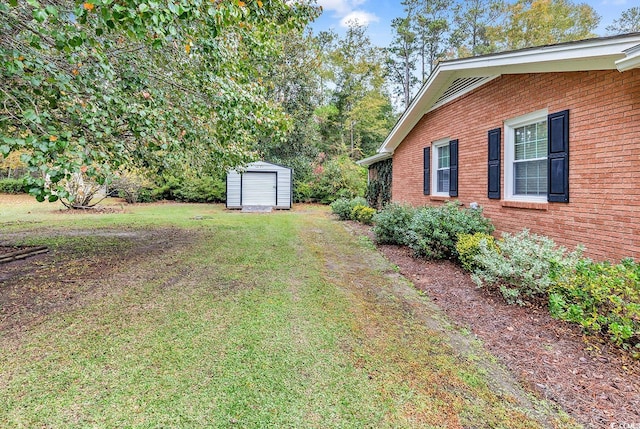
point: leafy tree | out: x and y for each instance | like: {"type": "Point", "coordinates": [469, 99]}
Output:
{"type": "Point", "coordinates": [544, 22]}
{"type": "Point", "coordinates": [359, 96]}
{"type": "Point", "coordinates": [402, 57]}
{"type": "Point", "coordinates": [431, 25]}
{"type": "Point", "coordinates": [294, 83]}
{"type": "Point", "coordinates": [472, 20]}
{"type": "Point", "coordinates": [88, 87]}
{"type": "Point", "coordinates": [629, 22]}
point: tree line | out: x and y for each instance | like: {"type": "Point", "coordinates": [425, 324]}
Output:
{"type": "Point", "coordinates": [172, 90]}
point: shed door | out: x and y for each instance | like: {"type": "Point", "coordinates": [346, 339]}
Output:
{"type": "Point", "coordinates": [259, 189]}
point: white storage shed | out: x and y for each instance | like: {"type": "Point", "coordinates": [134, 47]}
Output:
{"type": "Point", "coordinates": [260, 184]}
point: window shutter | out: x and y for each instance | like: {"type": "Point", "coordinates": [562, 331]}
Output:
{"type": "Point", "coordinates": [494, 163]}
{"type": "Point", "coordinates": [427, 171]}
{"type": "Point", "coordinates": [453, 168]}
{"type": "Point", "coordinates": [558, 160]}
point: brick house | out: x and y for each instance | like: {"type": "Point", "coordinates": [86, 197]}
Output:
{"type": "Point", "coordinates": [545, 138]}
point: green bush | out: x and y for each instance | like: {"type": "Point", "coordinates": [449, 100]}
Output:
{"type": "Point", "coordinates": [602, 298]}
{"type": "Point", "coordinates": [468, 246]}
{"type": "Point", "coordinates": [523, 265]}
{"type": "Point", "coordinates": [204, 189]}
{"type": "Point", "coordinates": [363, 214]}
{"type": "Point", "coordinates": [12, 186]}
{"type": "Point", "coordinates": [343, 207]}
{"type": "Point", "coordinates": [201, 190]}
{"type": "Point", "coordinates": [391, 224]}
{"type": "Point", "coordinates": [434, 230]}
{"type": "Point", "coordinates": [338, 178]}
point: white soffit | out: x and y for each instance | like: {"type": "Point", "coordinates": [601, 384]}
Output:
{"type": "Point", "coordinates": [452, 79]}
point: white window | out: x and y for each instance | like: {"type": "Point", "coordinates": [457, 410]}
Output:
{"type": "Point", "coordinates": [526, 150]}
{"type": "Point", "coordinates": [440, 167]}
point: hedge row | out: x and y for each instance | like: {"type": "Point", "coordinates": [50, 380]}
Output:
{"type": "Point", "coordinates": [601, 297]}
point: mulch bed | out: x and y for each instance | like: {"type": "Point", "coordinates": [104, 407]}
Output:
{"type": "Point", "coordinates": [596, 384]}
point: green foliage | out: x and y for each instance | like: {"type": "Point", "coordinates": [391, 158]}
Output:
{"type": "Point", "coordinates": [132, 187]}
{"type": "Point", "coordinates": [338, 178]}
{"type": "Point", "coordinates": [434, 230]}
{"type": "Point", "coordinates": [602, 298]}
{"type": "Point", "coordinates": [12, 186]}
{"type": "Point", "coordinates": [189, 189]}
{"type": "Point", "coordinates": [545, 22]}
{"type": "Point", "coordinates": [523, 265]}
{"type": "Point", "coordinates": [629, 22]}
{"type": "Point", "coordinates": [379, 188]}
{"type": "Point", "coordinates": [392, 223]}
{"type": "Point", "coordinates": [343, 207]}
{"type": "Point", "coordinates": [93, 86]}
{"type": "Point", "coordinates": [468, 246]}
{"type": "Point", "coordinates": [363, 214]}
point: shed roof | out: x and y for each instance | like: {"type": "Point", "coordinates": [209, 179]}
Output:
{"type": "Point", "coordinates": [454, 78]}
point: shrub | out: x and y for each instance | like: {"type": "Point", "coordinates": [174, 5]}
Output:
{"type": "Point", "coordinates": [343, 207]}
{"type": "Point", "coordinates": [523, 265]}
{"type": "Point", "coordinates": [468, 246]}
{"type": "Point", "coordinates": [201, 190]}
{"type": "Point", "coordinates": [12, 186]}
{"type": "Point", "coordinates": [362, 214]}
{"type": "Point", "coordinates": [602, 298]}
{"type": "Point", "coordinates": [338, 178]}
{"type": "Point", "coordinates": [434, 230]}
{"type": "Point", "coordinates": [204, 189]}
{"type": "Point", "coordinates": [392, 223]}
{"type": "Point", "coordinates": [130, 186]}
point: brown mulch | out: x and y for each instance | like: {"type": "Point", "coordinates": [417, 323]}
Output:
{"type": "Point", "coordinates": [596, 385]}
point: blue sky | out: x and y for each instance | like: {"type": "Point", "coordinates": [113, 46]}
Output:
{"type": "Point", "coordinates": [377, 14]}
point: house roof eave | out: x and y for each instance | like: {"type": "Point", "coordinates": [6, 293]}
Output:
{"type": "Point", "coordinates": [608, 53]}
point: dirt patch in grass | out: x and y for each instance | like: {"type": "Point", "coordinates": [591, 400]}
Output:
{"type": "Point", "coordinates": [597, 385]}
{"type": "Point", "coordinates": [70, 272]}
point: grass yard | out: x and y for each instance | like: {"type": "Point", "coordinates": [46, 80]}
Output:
{"type": "Point", "coordinates": [190, 316]}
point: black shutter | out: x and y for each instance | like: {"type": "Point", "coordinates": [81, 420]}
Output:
{"type": "Point", "coordinates": [558, 161]}
{"type": "Point", "coordinates": [493, 181]}
{"type": "Point", "coordinates": [453, 168]}
{"type": "Point", "coordinates": [427, 171]}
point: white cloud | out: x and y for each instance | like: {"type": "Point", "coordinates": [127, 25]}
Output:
{"type": "Point", "coordinates": [347, 11]}
{"type": "Point", "coordinates": [358, 17]}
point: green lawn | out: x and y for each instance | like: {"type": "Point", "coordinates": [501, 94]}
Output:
{"type": "Point", "coordinates": [171, 316]}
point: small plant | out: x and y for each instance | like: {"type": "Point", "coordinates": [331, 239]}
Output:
{"type": "Point", "coordinates": [602, 298]}
{"type": "Point", "coordinates": [523, 265]}
{"type": "Point", "coordinates": [468, 246]}
{"type": "Point", "coordinates": [362, 214]}
{"type": "Point", "coordinates": [343, 207]}
{"type": "Point", "coordinates": [434, 230]}
{"type": "Point", "coordinates": [12, 186]}
{"type": "Point", "coordinates": [392, 223]}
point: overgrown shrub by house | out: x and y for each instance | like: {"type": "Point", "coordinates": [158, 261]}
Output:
{"type": "Point", "coordinates": [338, 178]}
{"type": "Point", "coordinates": [434, 230]}
{"type": "Point", "coordinates": [468, 247]}
{"type": "Point", "coordinates": [391, 224]}
{"type": "Point", "coordinates": [12, 186]}
{"type": "Point", "coordinates": [363, 214]}
{"type": "Point", "coordinates": [523, 265]}
{"type": "Point", "coordinates": [343, 207]}
{"type": "Point", "coordinates": [602, 298]}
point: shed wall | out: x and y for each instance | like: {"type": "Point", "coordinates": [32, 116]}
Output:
{"type": "Point", "coordinates": [283, 185]}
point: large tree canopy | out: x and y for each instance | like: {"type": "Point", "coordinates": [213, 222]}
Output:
{"type": "Point", "coordinates": [90, 87]}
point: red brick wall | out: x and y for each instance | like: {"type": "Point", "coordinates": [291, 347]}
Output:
{"type": "Point", "coordinates": [604, 158]}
